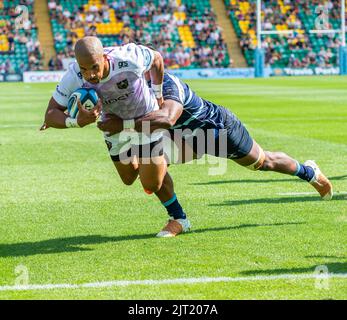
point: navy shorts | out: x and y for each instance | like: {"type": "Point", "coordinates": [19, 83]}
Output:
{"type": "Point", "coordinates": [239, 141]}
{"type": "Point", "coordinates": [232, 142]}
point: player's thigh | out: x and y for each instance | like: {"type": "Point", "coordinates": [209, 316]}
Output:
{"type": "Point", "coordinates": [179, 150]}
{"type": "Point", "coordinates": [128, 172]}
{"type": "Point", "coordinates": [126, 164]}
{"type": "Point", "coordinates": [152, 172]}
{"type": "Point", "coordinates": [187, 153]}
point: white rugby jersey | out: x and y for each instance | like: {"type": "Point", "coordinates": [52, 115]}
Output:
{"type": "Point", "coordinates": [125, 91]}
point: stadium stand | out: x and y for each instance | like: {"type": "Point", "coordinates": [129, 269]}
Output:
{"type": "Point", "coordinates": [184, 31]}
{"type": "Point", "coordinates": [19, 46]}
{"type": "Point", "coordinates": [298, 50]}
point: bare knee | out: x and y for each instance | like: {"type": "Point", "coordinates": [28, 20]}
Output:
{"type": "Point", "coordinates": [128, 173]}
{"type": "Point", "coordinates": [153, 186]}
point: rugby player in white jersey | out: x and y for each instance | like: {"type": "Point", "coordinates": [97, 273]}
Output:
{"type": "Point", "coordinates": [118, 76]}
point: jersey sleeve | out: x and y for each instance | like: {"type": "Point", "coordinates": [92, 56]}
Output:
{"type": "Point", "coordinates": [172, 89]}
{"type": "Point", "coordinates": [140, 58]}
{"type": "Point", "coordinates": [71, 81]}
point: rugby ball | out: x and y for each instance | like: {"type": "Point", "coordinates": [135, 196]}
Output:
{"type": "Point", "coordinates": [88, 98]}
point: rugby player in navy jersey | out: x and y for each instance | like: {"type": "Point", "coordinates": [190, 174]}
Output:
{"type": "Point", "coordinates": [184, 110]}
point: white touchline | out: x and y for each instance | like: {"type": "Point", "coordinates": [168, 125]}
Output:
{"type": "Point", "coordinates": [4, 126]}
{"type": "Point", "coordinates": [295, 193]}
{"type": "Point", "coordinates": [125, 283]}
{"type": "Point", "coordinates": [306, 193]}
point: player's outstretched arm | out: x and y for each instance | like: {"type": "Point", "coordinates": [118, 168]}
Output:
{"type": "Point", "coordinates": [164, 118]}
{"type": "Point", "coordinates": [55, 116]}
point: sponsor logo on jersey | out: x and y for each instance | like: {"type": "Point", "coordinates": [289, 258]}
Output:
{"type": "Point", "coordinates": [121, 97]}
{"type": "Point", "coordinates": [123, 64]}
{"type": "Point", "coordinates": [123, 84]}
{"type": "Point", "coordinates": [61, 93]}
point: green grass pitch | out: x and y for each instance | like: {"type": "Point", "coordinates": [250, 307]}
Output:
{"type": "Point", "coordinates": [66, 217]}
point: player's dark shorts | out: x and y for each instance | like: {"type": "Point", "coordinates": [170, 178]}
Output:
{"type": "Point", "coordinates": [239, 141]}
{"type": "Point", "coordinates": [232, 142]}
{"type": "Point", "coordinates": [144, 151]}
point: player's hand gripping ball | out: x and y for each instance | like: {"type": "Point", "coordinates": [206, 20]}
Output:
{"type": "Point", "coordinates": [88, 98]}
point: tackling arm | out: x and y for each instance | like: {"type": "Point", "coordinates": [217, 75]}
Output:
{"type": "Point", "coordinates": [163, 118]}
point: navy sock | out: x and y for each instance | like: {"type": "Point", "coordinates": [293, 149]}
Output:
{"type": "Point", "coordinates": [304, 172]}
{"type": "Point", "coordinates": [174, 209]}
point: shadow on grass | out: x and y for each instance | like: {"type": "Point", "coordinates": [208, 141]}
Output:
{"type": "Point", "coordinates": [333, 267]}
{"type": "Point", "coordinates": [275, 200]}
{"type": "Point", "coordinates": [293, 179]}
{"type": "Point", "coordinates": [74, 244]}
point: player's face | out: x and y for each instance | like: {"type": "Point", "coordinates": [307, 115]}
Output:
{"type": "Point", "coordinates": [92, 68]}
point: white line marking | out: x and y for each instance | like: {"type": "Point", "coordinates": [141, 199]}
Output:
{"type": "Point", "coordinates": [125, 283]}
{"type": "Point", "coordinates": [295, 193]}
{"type": "Point", "coordinates": [306, 193]}
{"type": "Point", "coordinates": [5, 126]}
